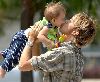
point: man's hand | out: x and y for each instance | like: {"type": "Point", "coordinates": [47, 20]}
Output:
{"type": "Point", "coordinates": [33, 32]}
{"type": "Point", "coordinates": [35, 29]}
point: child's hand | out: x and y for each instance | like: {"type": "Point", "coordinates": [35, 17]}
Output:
{"type": "Point", "coordinates": [1, 57]}
{"type": "Point", "coordinates": [2, 72]}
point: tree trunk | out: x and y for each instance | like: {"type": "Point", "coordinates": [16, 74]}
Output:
{"type": "Point", "coordinates": [27, 13]}
{"type": "Point", "coordinates": [26, 21]}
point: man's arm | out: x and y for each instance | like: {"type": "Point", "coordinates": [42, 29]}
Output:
{"type": "Point", "coordinates": [50, 61]}
{"type": "Point", "coordinates": [30, 49]}
{"type": "Point", "coordinates": [36, 48]}
{"type": "Point", "coordinates": [24, 63]}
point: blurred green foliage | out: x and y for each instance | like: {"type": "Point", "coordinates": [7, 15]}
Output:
{"type": "Point", "coordinates": [11, 9]}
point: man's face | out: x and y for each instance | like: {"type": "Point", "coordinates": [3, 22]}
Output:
{"type": "Point", "coordinates": [69, 27]}
{"type": "Point", "coordinates": [60, 20]}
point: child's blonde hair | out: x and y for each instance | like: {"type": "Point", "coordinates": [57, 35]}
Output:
{"type": "Point", "coordinates": [86, 28]}
{"type": "Point", "coordinates": [53, 10]}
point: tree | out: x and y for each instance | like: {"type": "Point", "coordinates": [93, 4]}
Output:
{"type": "Point", "coordinates": [26, 21]}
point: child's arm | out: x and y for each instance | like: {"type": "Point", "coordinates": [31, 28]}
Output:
{"type": "Point", "coordinates": [42, 36]}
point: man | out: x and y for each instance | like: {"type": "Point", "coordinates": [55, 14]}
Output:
{"type": "Point", "coordinates": [65, 63]}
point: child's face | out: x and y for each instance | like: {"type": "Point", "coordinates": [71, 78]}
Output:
{"type": "Point", "coordinates": [60, 20]}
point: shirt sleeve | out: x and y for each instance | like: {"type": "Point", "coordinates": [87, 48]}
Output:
{"type": "Point", "coordinates": [49, 62]}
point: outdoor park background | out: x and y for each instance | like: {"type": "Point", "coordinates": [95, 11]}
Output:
{"type": "Point", "coordinates": [20, 14]}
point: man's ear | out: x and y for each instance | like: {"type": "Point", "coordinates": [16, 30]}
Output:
{"type": "Point", "coordinates": [75, 32]}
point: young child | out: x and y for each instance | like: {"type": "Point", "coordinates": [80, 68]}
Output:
{"type": "Point", "coordinates": [55, 14]}
{"type": "Point", "coordinates": [13, 52]}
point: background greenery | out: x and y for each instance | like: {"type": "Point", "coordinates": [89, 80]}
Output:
{"type": "Point", "coordinates": [11, 9]}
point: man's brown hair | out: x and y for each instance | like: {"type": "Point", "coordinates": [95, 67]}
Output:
{"type": "Point", "coordinates": [53, 10]}
{"type": "Point", "coordinates": [86, 27]}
